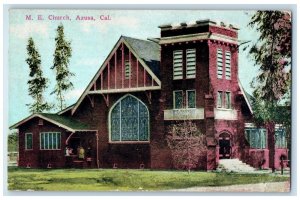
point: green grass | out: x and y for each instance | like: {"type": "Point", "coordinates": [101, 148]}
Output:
{"type": "Point", "coordinates": [124, 180]}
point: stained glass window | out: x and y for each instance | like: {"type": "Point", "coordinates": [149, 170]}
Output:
{"type": "Point", "coordinates": [178, 99]}
{"type": "Point", "coordinates": [129, 120]}
{"type": "Point", "coordinates": [50, 140]}
{"type": "Point", "coordinates": [28, 141]}
{"type": "Point", "coordinates": [191, 98]}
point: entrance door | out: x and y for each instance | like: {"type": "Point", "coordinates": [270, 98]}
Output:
{"type": "Point", "coordinates": [224, 146]}
{"type": "Point", "coordinates": [74, 143]}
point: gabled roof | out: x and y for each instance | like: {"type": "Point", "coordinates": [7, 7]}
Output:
{"type": "Point", "coordinates": [65, 110]}
{"type": "Point", "coordinates": [247, 97]}
{"type": "Point", "coordinates": [147, 52]}
{"type": "Point", "coordinates": [61, 121]}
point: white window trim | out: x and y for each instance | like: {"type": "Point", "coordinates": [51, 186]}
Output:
{"type": "Point", "coordinates": [222, 63]}
{"type": "Point", "coordinates": [26, 141]}
{"type": "Point", "coordinates": [186, 76]}
{"type": "Point", "coordinates": [174, 91]}
{"type": "Point", "coordinates": [230, 65]}
{"type": "Point", "coordinates": [56, 149]}
{"type": "Point", "coordinates": [230, 103]}
{"type": "Point", "coordinates": [222, 104]}
{"type": "Point", "coordinates": [180, 78]}
{"type": "Point", "coordinates": [186, 99]}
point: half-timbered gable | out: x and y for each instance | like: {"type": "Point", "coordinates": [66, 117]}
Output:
{"type": "Point", "coordinates": [131, 66]}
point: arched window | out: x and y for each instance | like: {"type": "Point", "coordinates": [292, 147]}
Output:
{"type": "Point", "coordinates": [129, 120]}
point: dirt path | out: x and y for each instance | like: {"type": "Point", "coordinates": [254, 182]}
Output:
{"type": "Point", "coordinates": [259, 187]}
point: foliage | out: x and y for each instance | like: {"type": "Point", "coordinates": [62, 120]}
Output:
{"type": "Point", "coordinates": [272, 53]}
{"type": "Point", "coordinates": [12, 142]}
{"type": "Point", "coordinates": [124, 179]}
{"type": "Point", "coordinates": [187, 145]}
{"type": "Point", "coordinates": [37, 83]}
{"type": "Point", "coordinates": [62, 54]}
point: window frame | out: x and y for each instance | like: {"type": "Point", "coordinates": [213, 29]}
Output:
{"type": "Point", "coordinates": [257, 141]}
{"type": "Point", "coordinates": [230, 55]}
{"type": "Point", "coordinates": [187, 99]}
{"type": "Point", "coordinates": [26, 141]}
{"type": "Point", "coordinates": [222, 63]}
{"type": "Point", "coordinates": [181, 77]}
{"type": "Point", "coordinates": [48, 133]}
{"type": "Point", "coordinates": [186, 64]}
{"type": "Point", "coordinates": [221, 99]}
{"type": "Point", "coordinates": [174, 101]}
{"type": "Point", "coordinates": [227, 106]}
{"type": "Point", "coordinates": [119, 101]}
{"type": "Point", "coordinates": [127, 75]}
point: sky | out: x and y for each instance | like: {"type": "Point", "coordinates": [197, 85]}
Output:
{"type": "Point", "coordinates": [91, 42]}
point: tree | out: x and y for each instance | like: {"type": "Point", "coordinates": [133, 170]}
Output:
{"type": "Point", "coordinates": [272, 53]}
{"type": "Point", "coordinates": [12, 142]}
{"type": "Point", "coordinates": [62, 54]}
{"type": "Point", "coordinates": [187, 145]}
{"type": "Point", "coordinates": [37, 83]}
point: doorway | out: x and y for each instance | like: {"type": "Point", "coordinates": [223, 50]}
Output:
{"type": "Point", "coordinates": [74, 143]}
{"type": "Point", "coordinates": [224, 146]}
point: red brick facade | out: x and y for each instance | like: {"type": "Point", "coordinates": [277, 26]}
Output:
{"type": "Point", "coordinates": [154, 87]}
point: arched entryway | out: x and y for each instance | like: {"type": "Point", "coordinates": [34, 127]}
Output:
{"type": "Point", "coordinates": [224, 146]}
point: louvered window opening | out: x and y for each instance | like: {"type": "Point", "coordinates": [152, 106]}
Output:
{"type": "Point", "coordinates": [127, 69]}
{"type": "Point", "coordinates": [190, 63]}
{"type": "Point", "coordinates": [177, 65]}
{"type": "Point", "coordinates": [228, 65]}
{"type": "Point", "coordinates": [220, 63]}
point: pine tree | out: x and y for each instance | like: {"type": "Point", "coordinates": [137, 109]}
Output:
{"type": "Point", "coordinates": [62, 54]}
{"type": "Point", "coordinates": [37, 83]}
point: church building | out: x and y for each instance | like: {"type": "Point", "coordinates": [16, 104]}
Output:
{"type": "Point", "coordinates": [143, 87]}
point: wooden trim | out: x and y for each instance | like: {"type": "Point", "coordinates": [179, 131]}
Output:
{"type": "Point", "coordinates": [143, 63]}
{"type": "Point", "coordinates": [130, 68]}
{"type": "Point", "coordinates": [122, 78]}
{"type": "Point", "coordinates": [245, 97]}
{"type": "Point", "coordinates": [42, 117]}
{"type": "Point", "coordinates": [108, 74]}
{"type": "Point", "coordinates": [115, 69]}
{"type": "Point", "coordinates": [26, 141]}
{"type": "Point", "coordinates": [110, 55]}
{"type": "Point", "coordinates": [139, 89]}
{"type": "Point", "coordinates": [197, 37]}
{"type": "Point", "coordinates": [137, 72]}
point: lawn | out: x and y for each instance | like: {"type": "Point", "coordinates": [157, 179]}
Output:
{"type": "Point", "coordinates": [124, 179]}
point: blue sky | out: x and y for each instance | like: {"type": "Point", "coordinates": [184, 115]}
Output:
{"type": "Point", "coordinates": [91, 41]}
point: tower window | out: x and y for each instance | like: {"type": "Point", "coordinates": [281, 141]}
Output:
{"type": "Point", "coordinates": [228, 65]}
{"type": "Point", "coordinates": [220, 63]}
{"type": "Point", "coordinates": [190, 63]}
{"type": "Point", "coordinates": [177, 64]}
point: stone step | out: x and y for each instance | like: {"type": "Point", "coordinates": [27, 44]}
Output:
{"type": "Point", "coordinates": [234, 165]}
